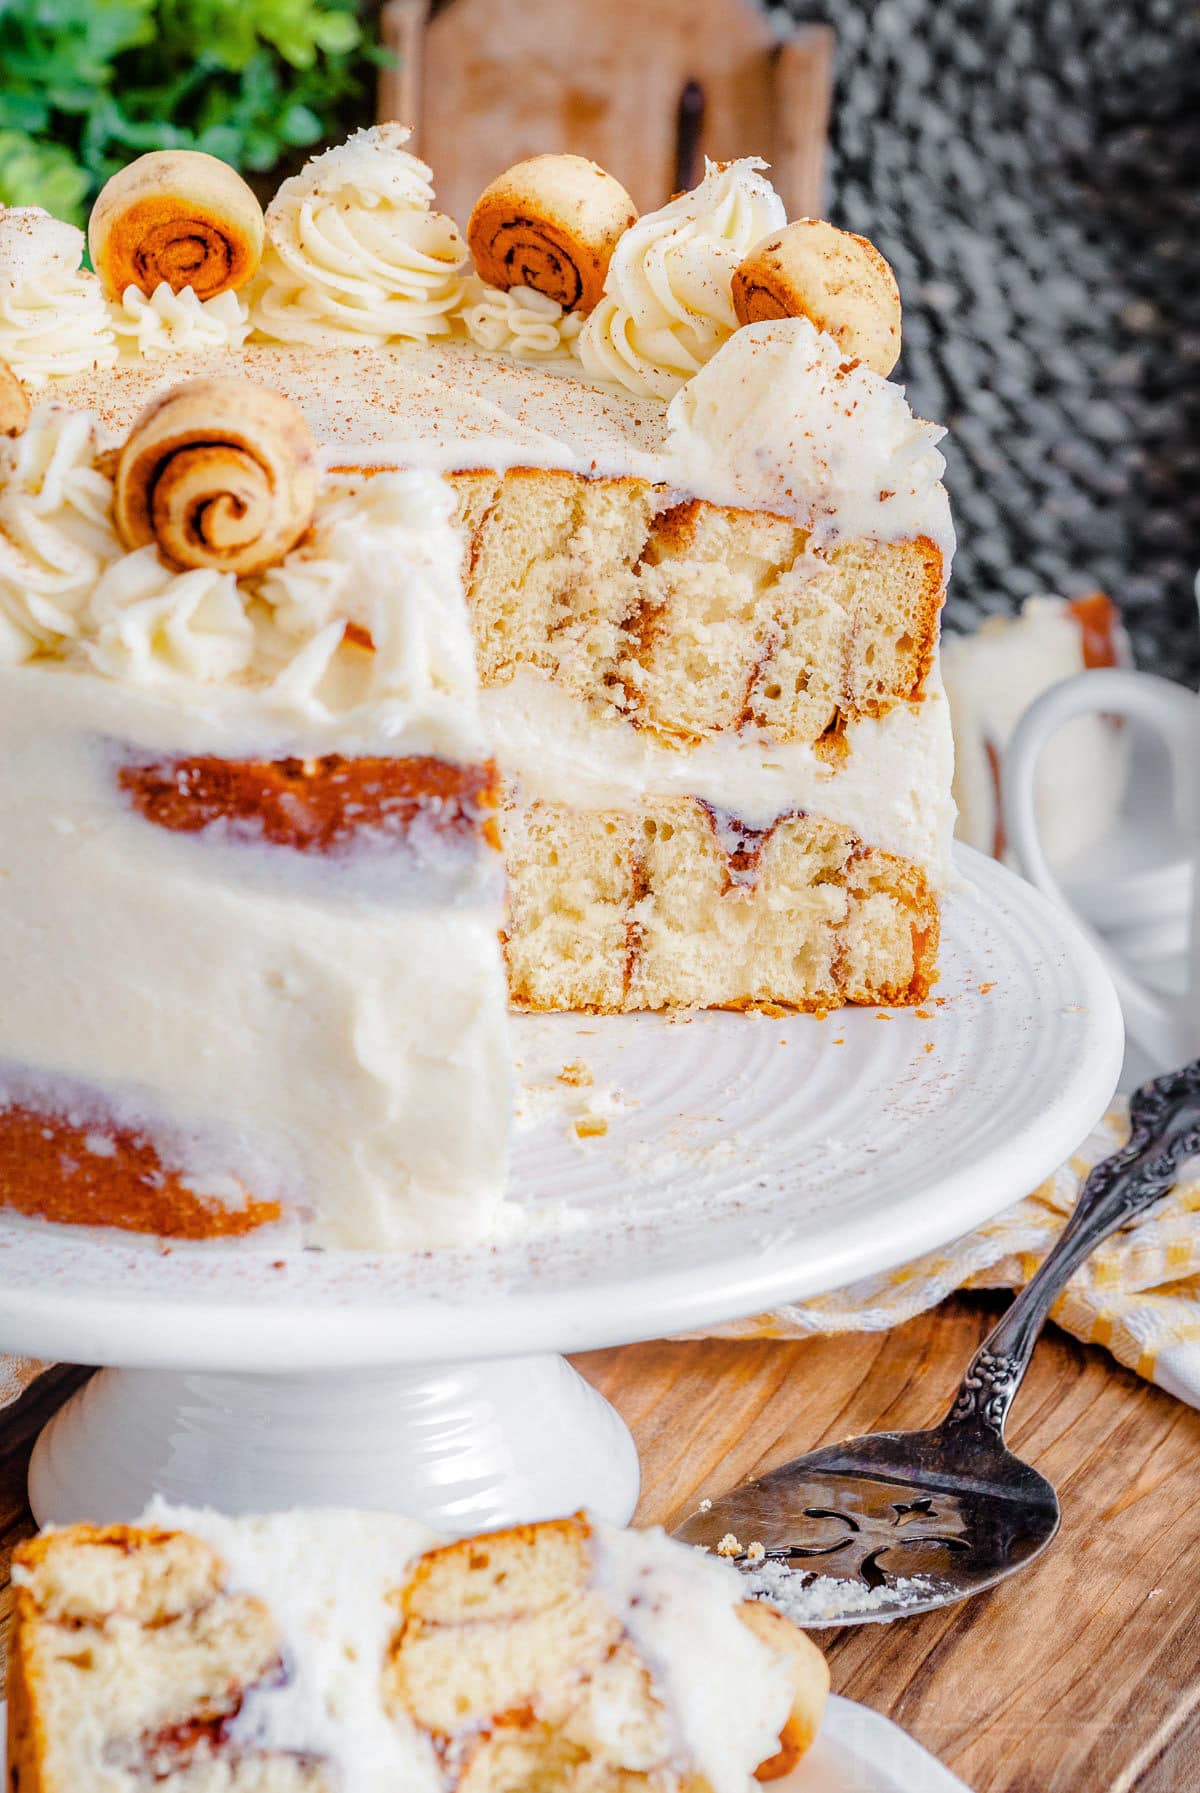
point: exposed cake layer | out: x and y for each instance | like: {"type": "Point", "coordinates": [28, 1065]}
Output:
{"type": "Point", "coordinates": [671, 902]}
{"type": "Point", "coordinates": [692, 619]}
{"type": "Point", "coordinates": [308, 1651]}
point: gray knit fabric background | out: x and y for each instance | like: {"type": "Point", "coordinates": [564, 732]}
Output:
{"type": "Point", "coordinates": [1031, 169]}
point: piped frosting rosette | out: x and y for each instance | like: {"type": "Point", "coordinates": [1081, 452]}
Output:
{"type": "Point", "coordinates": [355, 253]}
{"type": "Point", "coordinates": [56, 531]}
{"type": "Point", "coordinates": [53, 319]}
{"type": "Point", "coordinates": [667, 305]}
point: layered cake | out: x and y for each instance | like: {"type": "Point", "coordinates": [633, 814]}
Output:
{"type": "Point", "coordinates": [250, 879]}
{"type": "Point", "coordinates": [351, 1653]}
{"type": "Point", "coordinates": [704, 541]}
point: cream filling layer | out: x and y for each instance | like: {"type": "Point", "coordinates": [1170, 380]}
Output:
{"type": "Point", "coordinates": [892, 788]}
{"type": "Point", "coordinates": [312, 1032]}
{"type": "Point", "coordinates": [326, 1577]}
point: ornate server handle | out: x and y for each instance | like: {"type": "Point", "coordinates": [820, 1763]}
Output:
{"type": "Point", "coordinates": [1165, 1116]}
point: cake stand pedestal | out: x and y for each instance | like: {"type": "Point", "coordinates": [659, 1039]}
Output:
{"type": "Point", "coordinates": [744, 1160]}
{"type": "Point", "coordinates": [465, 1447]}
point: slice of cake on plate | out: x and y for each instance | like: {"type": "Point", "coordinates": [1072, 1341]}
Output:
{"type": "Point", "coordinates": [311, 1652]}
{"type": "Point", "coordinates": [250, 885]}
{"type": "Point", "coordinates": [705, 541]}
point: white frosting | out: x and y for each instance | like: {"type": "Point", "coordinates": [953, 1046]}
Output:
{"type": "Point", "coordinates": [382, 554]}
{"type": "Point", "coordinates": [170, 323]}
{"type": "Point", "coordinates": [206, 986]}
{"type": "Point", "coordinates": [355, 252]}
{"type": "Point", "coordinates": [991, 678]}
{"type": "Point", "coordinates": [330, 1578]}
{"type": "Point", "coordinates": [667, 304]}
{"type": "Point", "coordinates": [325, 1576]}
{"type": "Point", "coordinates": [446, 406]}
{"type": "Point", "coordinates": [892, 787]}
{"type": "Point", "coordinates": [202, 987]}
{"type": "Point", "coordinates": [53, 317]}
{"type": "Point", "coordinates": [780, 420]}
{"type": "Point", "coordinates": [56, 533]}
{"type": "Point", "coordinates": [518, 321]}
{"type": "Point", "coordinates": [727, 1693]}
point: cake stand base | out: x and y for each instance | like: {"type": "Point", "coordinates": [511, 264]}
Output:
{"type": "Point", "coordinates": [467, 1447]}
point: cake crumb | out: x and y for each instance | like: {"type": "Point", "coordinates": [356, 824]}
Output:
{"type": "Point", "coordinates": [729, 1546]}
{"type": "Point", "coordinates": [985, 989]}
{"type": "Point", "coordinates": [840, 1042]}
{"type": "Point", "coordinates": [577, 1074]}
{"type": "Point", "coordinates": [924, 1014]}
{"type": "Point", "coordinates": [756, 1551]}
{"type": "Point", "coordinates": [884, 1017]}
{"type": "Point", "coordinates": [706, 1505]}
{"type": "Point", "coordinates": [929, 1045]}
{"type": "Point", "coordinates": [591, 1126]}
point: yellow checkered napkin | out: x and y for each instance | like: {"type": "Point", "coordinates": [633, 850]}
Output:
{"type": "Point", "coordinates": [1138, 1295]}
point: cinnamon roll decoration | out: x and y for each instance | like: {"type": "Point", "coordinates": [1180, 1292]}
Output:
{"type": "Point", "coordinates": [14, 402]}
{"type": "Point", "coordinates": [550, 223]}
{"type": "Point", "coordinates": [176, 215]}
{"type": "Point", "coordinates": [218, 473]}
{"type": "Point", "coordinates": [837, 280]}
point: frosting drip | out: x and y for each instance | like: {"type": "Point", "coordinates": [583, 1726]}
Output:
{"type": "Point", "coordinates": [53, 317]}
{"type": "Point", "coordinates": [518, 322]}
{"type": "Point", "coordinates": [667, 304]}
{"type": "Point", "coordinates": [355, 252]}
{"type": "Point", "coordinates": [169, 323]}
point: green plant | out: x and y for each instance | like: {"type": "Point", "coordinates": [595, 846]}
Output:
{"type": "Point", "coordinates": [88, 84]}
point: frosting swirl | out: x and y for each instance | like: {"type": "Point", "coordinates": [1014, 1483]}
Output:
{"type": "Point", "coordinates": [147, 623]}
{"type": "Point", "coordinates": [667, 304]}
{"type": "Point", "coordinates": [518, 322]}
{"type": "Point", "coordinates": [170, 323]}
{"type": "Point", "coordinates": [56, 532]}
{"type": "Point", "coordinates": [53, 318]}
{"type": "Point", "coordinates": [355, 252]}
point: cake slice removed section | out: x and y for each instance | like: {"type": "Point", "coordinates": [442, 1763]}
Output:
{"type": "Point", "coordinates": [337, 1652]}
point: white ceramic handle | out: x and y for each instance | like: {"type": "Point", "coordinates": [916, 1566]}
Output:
{"type": "Point", "coordinates": [1162, 1024]}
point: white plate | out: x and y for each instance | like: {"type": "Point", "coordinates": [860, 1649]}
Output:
{"type": "Point", "coordinates": [747, 1160]}
{"type": "Point", "coordinates": [858, 1751]}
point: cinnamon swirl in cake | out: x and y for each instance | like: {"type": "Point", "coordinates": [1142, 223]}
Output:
{"type": "Point", "coordinates": [250, 885]}
{"type": "Point", "coordinates": [305, 1652]}
{"type": "Point", "coordinates": [705, 546]}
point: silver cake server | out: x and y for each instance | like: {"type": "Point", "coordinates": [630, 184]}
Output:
{"type": "Point", "coordinates": [918, 1520]}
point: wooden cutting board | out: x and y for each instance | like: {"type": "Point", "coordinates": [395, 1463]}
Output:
{"type": "Point", "coordinates": [1081, 1675]}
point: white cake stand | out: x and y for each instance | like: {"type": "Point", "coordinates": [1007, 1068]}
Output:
{"type": "Point", "coordinates": [747, 1160]}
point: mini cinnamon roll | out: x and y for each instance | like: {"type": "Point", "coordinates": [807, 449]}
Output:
{"type": "Point", "coordinates": [219, 473]}
{"type": "Point", "coordinates": [550, 223]}
{"type": "Point", "coordinates": [176, 215]}
{"type": "Point", "coordinates": [837, 280]}
{"type": "Point", "coordinates": [14, 402]}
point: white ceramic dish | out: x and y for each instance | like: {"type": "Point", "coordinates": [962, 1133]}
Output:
{"type": "Point", "coordinates": [746, 1160]}
{"type": "Point", "coordinates": [858, 1751]}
